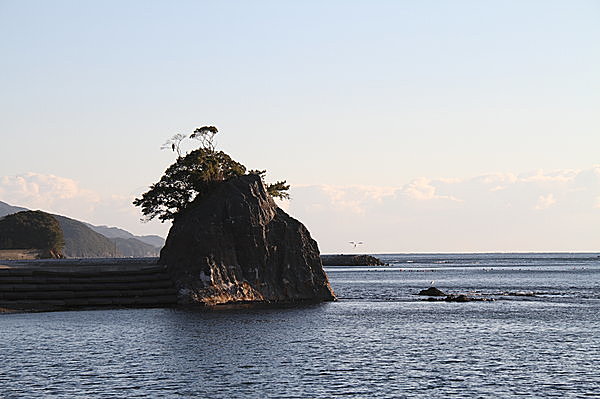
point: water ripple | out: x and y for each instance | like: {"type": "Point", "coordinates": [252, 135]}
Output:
{"type": "Point", "coordinates": [380, 341]}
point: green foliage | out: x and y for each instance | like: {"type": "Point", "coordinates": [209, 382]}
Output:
{"type": "Point", "coordinates": [195, 175]}
{"type": "Point", "coordinates": [275, 190]}
{"type": "Point", "coordinates": [279, 190]}
{"type": "Point", "coordinates": [205, 135]}
{"type": "Point", "coordinates": [32, 230]}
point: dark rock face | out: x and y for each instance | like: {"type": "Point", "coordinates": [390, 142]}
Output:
{"type": "Point", "coordinates": [351, 260]}
{"type": "Point", "coordinates": [432, 291]}
{"type": "Point", "coordinates": [236, 245]}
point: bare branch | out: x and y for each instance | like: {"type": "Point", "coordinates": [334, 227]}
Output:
{"type": "Point", "coordinates": [174, 143]}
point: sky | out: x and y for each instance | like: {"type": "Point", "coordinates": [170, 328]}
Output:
{"type": "Point", "coordinates": [413, 126]}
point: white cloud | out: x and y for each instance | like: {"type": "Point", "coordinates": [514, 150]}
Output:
{"type": "Point", "coordinates": [352, 198]}
{"type": "Point", "coordinates": [545, 202]}
{"type": "Point", "coordinates": [422, 189]}
{"type": "Point", "coordinates": [339, 199]}
{"type": "Point", "coordinates": [492, 212]}
{"type": "Point", "coordinates": [498, 179]}
{"type": "Point", "coordinates": [562, 176]}
{"type": "Point", "coordinates": [67, 197]}
{"type": "Point", "coordinates": [35, 190]}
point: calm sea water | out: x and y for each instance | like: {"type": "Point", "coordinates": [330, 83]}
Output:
{"type": "Point", "coordinates": [540, 338]}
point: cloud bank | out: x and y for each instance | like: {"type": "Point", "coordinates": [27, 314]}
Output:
{"type": "Point", "coordinates": [67, 197]}
{"type": "Point", "coordinates": [533, 211]}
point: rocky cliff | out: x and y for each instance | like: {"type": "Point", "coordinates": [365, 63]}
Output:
{"type": "Point", "coordinates": [236, 245]}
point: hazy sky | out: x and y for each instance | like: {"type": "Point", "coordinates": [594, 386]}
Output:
{"type": "Point", "coordinates": [389, 118]}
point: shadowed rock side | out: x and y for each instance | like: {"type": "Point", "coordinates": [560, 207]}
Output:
{"type": "Point", "coordinates": [236, 245]}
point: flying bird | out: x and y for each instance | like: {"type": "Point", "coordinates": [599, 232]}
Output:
{"type": "Point", "coordinates": [355, 243]}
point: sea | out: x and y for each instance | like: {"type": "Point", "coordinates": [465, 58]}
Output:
{"type": "Point", "coordinates": [537, 335]}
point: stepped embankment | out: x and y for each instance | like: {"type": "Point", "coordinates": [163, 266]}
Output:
{"type": "Point", "coordinates": [72, 284]}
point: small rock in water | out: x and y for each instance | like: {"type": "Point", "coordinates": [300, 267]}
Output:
{"type": "Point", "coordinates": [464, 298]}
{"type": "Point", "coordinates": [351, 260]}
{"type": "Point", "coordinates": [432, 291]}
{"type": "Point", "coordinates": [458, 298]}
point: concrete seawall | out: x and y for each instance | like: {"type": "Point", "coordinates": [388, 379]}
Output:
{"type": "Point", "coordinates": [70, 284]}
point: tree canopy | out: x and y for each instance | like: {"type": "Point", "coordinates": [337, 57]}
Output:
{"type": "Point", "coordinates": [195, 175]}
{"type": "Point", "coordinates": [32, 230]}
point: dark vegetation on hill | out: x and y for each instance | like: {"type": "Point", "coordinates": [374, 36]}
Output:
{"type": "Point", "coordinates": [32, 230]}
{"type": "Point", "coordinates": [83, 240]}
{"type": "Point", "coordinates": [6, 209]}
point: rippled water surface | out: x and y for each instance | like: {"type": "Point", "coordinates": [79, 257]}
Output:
{"type": "Point", "coordinates": [538, 338]}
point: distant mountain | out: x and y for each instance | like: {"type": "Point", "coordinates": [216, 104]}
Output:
{"type": "Point", "coordinates": [83, 240]}
{"type": "Point", "coordinates": [154, 240]}
{"type": "Point", "coordinates": [6, 209]}
{"type": "Point", "coordinates": [115, 232]}
{"type": "Point", "coordinates": [133, 247]}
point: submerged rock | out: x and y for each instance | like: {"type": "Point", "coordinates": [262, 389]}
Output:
{"type": "Point", "coordinates": [235, 245]}
{"type": "Point", "coordinates": [432, 291]}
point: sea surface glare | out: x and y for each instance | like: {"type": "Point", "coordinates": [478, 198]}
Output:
{"type": "Point", "coordinates": [540, 338]}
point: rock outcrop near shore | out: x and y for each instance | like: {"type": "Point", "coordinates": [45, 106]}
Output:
{"type": "Point", "coordinates": [235, 245]}
{"type": "Point", "coordinates": [432, 291]}
{"type": "Point", "coordinates": [351, 260]}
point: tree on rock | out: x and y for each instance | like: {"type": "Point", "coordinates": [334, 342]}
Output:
{"type": "Point", "coordinates": [32, 230]}
{"type": "Point", "coordinates": [195, 175]}
{"type": "Point", "coordinates": [277, 190]}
